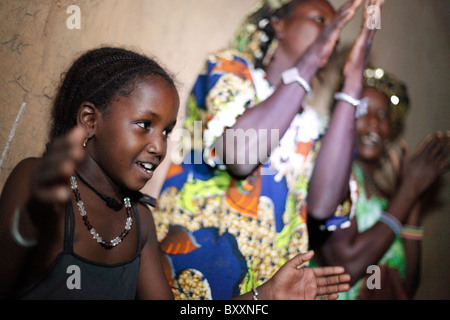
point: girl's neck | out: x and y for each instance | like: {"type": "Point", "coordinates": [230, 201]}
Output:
{"type": "Point", "coordinates": [96, 177]}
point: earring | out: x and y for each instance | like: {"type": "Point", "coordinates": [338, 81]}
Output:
{"type": "Point", "coordinates": [85, 141]}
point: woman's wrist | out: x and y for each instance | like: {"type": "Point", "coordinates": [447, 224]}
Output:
{"type": "Point", "coordinates": [353, 88]}
{"type": "Point", "coordinates": [406, 191]}
{"type": "Point", "coordinates": [264, 292]}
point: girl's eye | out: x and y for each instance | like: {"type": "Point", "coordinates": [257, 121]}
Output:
{"type": "Point", "coordinates": [167, 132]}
{"type": "Point", "coordinates": [144, 124]}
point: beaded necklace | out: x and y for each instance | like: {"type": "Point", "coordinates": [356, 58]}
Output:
{"type": "Point", "coordinates": [106, 244]}
{"type": "Point", "coordinates": [110, 202]}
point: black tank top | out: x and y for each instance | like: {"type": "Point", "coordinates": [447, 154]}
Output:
{"type": "Point", "coordinates": [71, 276]}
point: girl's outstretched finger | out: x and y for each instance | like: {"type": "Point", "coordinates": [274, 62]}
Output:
{"type": "Point", "coordinates": [54, 169]}
{"type": "Point", "coordinates": [75, 139]}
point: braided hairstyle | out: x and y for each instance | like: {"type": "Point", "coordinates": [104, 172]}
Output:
{"type": "Point", "coordinates": [99, 76]}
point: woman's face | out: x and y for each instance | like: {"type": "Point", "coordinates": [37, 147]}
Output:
{"type": "Point", "coordinates": [131, 140]}
{"type": "Point", "coordinates": [374, 128]}
{"type": "Point", "coordinates": [301, 28]}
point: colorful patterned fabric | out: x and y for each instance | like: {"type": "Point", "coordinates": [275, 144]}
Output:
{"type": "Point", "coordinates": [221, 236]}
{"type": "Point", "coordinates": [392, 264]}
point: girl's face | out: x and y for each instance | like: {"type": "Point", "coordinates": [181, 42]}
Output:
{"type": "Point", "coordinates": [300, 29]}
{"type": "Point", "coordinates": [374, 128]}
{"type": "Point", "coordinates": [131, 140]}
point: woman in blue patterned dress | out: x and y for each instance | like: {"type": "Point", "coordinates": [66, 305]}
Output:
{"type": "Point", "coordinates": [226, 226]}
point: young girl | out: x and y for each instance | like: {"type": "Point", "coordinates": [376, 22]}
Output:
{"type": "Point", "coordinates": [74, 224]}
{"type": "Point", "coordinates": [78, 204]}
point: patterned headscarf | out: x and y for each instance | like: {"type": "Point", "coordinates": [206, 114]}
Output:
{"type": "Point", "coordinates": [395, 91]}
{"type": "Point", "coordinates": [255, 37]}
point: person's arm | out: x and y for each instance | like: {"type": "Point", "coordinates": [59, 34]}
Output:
{"type": "Point", "coordinates": [152, 283]}
{"type": "Point", "coordinates": [30, 210]}
{"type": "Point", "coordinates": [17, 234]}
{"type": "Point", "coordinates": [277, 111]}
{"type": "Point", "coordinates": [328, 185]}
{"type": "Point", "coordinates": [355, 251]}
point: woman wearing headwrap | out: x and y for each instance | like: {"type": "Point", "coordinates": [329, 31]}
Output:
{"type": "Point", "coordinates": [381, 248]}
{"type": "Point", "coordinates": [234, 210]}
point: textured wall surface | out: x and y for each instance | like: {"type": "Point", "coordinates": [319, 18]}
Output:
{"type": "Point", "coordinates": [36, 46]}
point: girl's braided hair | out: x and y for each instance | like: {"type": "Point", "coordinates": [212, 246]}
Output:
{"type": "Point", "coordinates": [98, 76]}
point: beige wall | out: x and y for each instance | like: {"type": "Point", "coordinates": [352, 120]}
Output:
{"type": "Point", "coordinates": [36, 46]}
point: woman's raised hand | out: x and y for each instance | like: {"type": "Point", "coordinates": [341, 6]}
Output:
{"type": "Point", "coordinates": [430, 160]}
{"type": "Point", "coordinates": [324, 46]}
{"type": "Point", "coordinates": [359, 54]}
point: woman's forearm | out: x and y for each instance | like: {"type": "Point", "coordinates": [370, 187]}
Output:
{"type": "Point", "coordinates": [329, 182]}
{"type": "Point", "coordinates": [258, 130]}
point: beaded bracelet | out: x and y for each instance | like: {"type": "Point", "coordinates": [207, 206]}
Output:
{"type": "Point", "coordinates": [392, 222]}
{"type": "Point", "coordinates": [412, 232]}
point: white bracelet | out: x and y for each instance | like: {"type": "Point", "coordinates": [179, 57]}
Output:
{"type": "Point", "coordinates": [360, 105]}
{"type": "Point", "coordinates": [292, 75]}
{"type": "Point", "coordinates": [255, 294]}
{"type": "Point", "coordinates": [16, 234]}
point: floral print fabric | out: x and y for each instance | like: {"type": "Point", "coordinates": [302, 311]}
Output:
{"type": "Point", "coordinates": [221, 236]}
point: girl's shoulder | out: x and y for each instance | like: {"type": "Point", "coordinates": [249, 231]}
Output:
{"type": "Point", "coordinates": [20, 177]}
{"type": "Point", "coordinates": [25, 166]}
